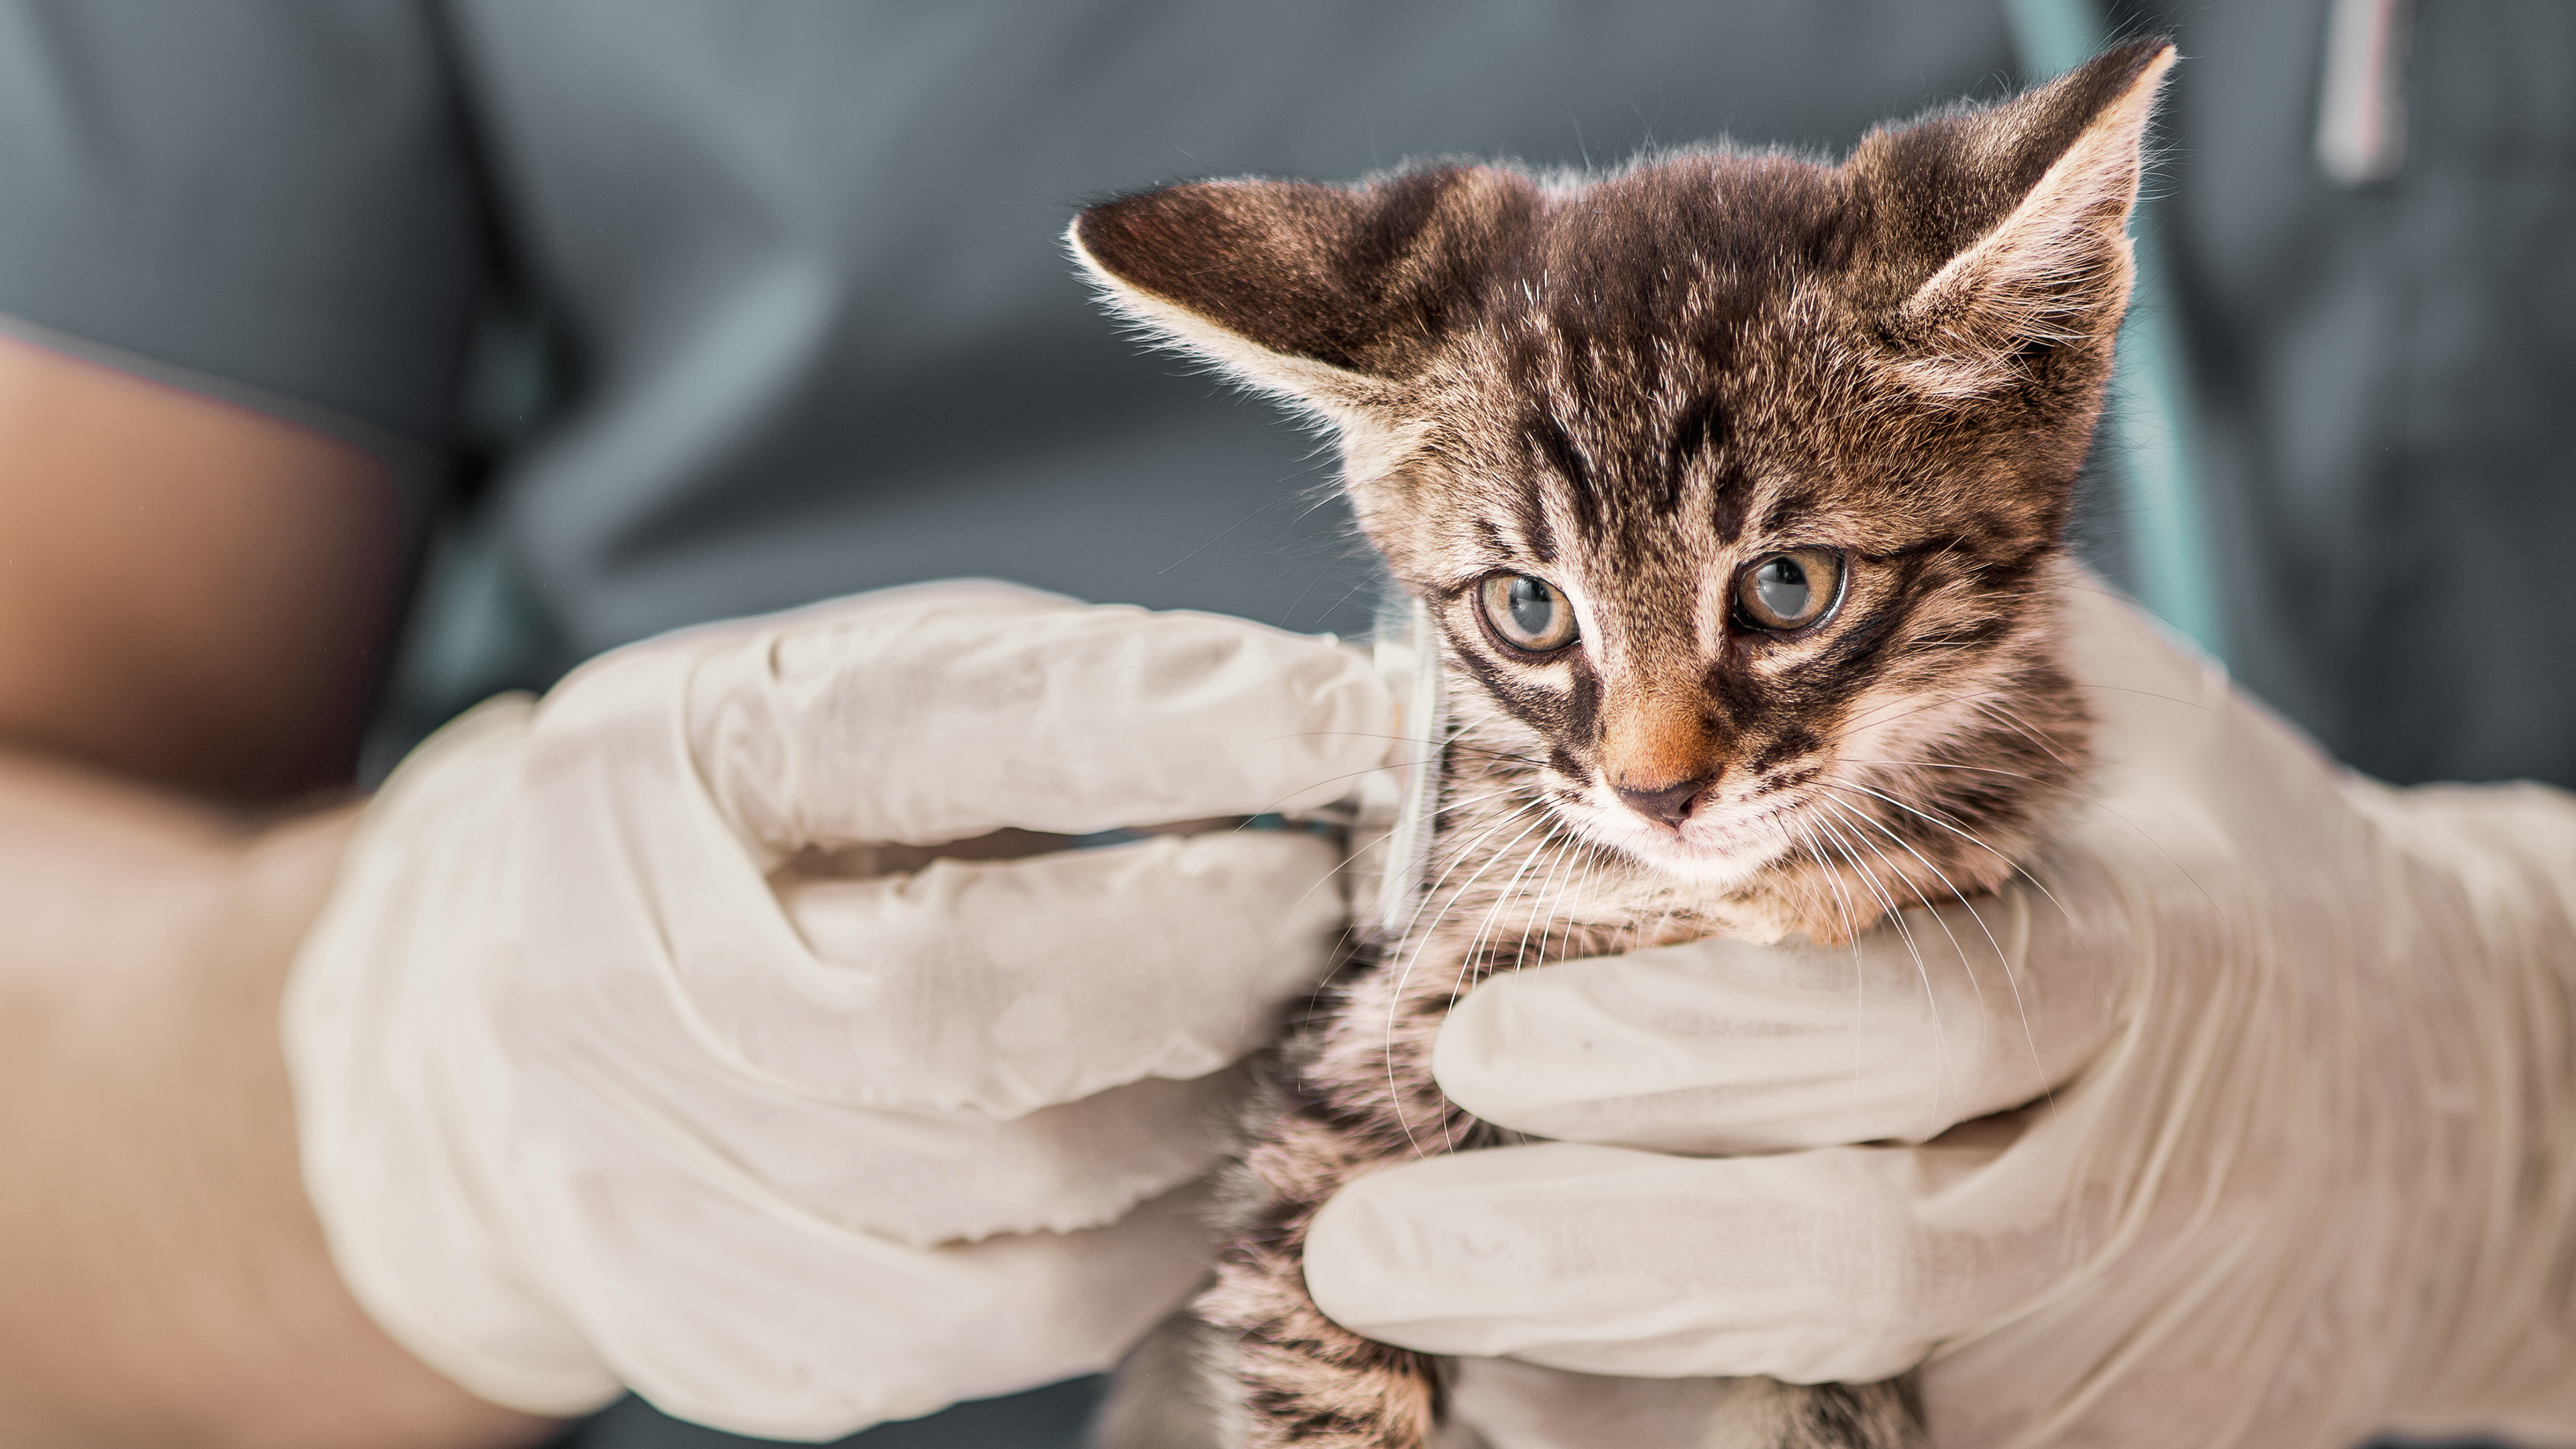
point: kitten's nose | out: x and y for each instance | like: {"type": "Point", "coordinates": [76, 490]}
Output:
{"type": "Point", "coordinates": [1667, 804]}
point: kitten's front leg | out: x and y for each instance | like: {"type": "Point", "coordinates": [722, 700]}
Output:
{"type": "Point", "coordinates": [1305, 1379]}
{"type": "Point", "coordinates": [1354, 1096]}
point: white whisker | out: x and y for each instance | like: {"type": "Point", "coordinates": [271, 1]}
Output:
{"type": "Point", "coordinates": [1896, 918]}
{"type": "Point", "coordinates": [2001, 958]}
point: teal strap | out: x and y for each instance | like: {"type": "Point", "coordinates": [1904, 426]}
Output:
{"type": "Point", "coordinates": [2161, 507]}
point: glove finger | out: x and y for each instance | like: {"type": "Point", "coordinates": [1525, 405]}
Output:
{"type": "Point", "coordinates": [1006, 986]}
{"type": "Point", "coordinates": [925, 1178]}
{"type": "Point", "coordinates": [1728, 1046]}
{"type": "Point", "coordinates": [635, 1054]}
{"type": "Point", "coordinates": [941, 713]}
{"type": "Point", "coordinates": [1809, 1266]}
{"type": "Point", "coordinates": [740, 1315]}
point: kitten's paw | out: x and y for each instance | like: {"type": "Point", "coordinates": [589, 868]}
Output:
{"type": "Point", "coordinates": [1805, 908]}
{"type": "Point", "coordinates": [1297, 1400]}
{"type": "Point", "coordinates": [1177, 1389]}
{"type": "Point", "coordinates": [1836, 931]}
{"type": "Point", "coordinates": [1766, 1414]}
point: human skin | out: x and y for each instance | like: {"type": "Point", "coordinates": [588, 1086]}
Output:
{"type": "Point", "coordinates": [194, 603]}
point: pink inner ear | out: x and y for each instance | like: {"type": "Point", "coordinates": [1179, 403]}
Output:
{"type": "Point", "coordinates": [1363, 280]}
{"type": "Point", "coordinates": [2056, 269]}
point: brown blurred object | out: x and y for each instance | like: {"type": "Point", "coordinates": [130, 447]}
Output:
{"type": "Point", "coordinates": [192, 595]}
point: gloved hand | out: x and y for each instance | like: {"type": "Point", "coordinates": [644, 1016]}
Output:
{"type": "Point", "coordinates": [2307, 1170]}
{"type": "Point", "coordinates": [604, 1077]}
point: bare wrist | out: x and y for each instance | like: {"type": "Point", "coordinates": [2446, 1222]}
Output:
{"type": "Point", "coordinates": [168, 1281]}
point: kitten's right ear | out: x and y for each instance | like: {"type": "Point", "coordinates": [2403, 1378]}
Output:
{"type": "Point", "coordinates": [2007, 228]}
{"type": "Point", "coordinates": [1331, 295]}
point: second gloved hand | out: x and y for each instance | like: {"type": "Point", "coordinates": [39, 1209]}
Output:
{"type": "Point", "coordinates": [605, 1077]}
{"type": "Point", "coordinates": [2298, 1159]}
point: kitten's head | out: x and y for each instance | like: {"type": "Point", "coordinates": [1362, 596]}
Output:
{"type": "Point", "coordinates": [1736, 480]}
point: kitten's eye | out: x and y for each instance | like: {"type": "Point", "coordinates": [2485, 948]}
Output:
{"type": "Point", "coordinates": [1790, 590]}
{"type": "Point", "coordinates": [1527, 612]}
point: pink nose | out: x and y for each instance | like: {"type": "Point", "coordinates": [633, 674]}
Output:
{"type": "Point", "coordinates": [1665, 804]}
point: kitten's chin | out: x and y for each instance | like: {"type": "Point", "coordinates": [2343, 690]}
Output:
{"type": "Point", "coordinates": [1717, 854]}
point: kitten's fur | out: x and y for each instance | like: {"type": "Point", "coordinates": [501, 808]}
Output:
{"type": "Point", "coordinates": [1634, 387]}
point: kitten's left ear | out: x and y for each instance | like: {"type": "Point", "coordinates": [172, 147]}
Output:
{"type": "Point", "coordinates": [2019, 214]}
{"type": "Point", "coordinates": [1327, 294]}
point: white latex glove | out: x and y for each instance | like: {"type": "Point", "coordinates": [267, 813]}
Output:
{"type": "Point", "coordinates": [592, 1091]}
{"type": "Point", "coordinates": [2309, 1169]}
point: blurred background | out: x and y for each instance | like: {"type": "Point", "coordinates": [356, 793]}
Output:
{"type": "Point", "coordinates": [645, 312]}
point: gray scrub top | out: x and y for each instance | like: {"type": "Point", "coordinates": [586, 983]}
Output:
{"type": "Point", "coordinates": [805, 324]}
{"type": "Point", "coordinates": [676, 309]}
{"type": "Point", "coordinates": [680, 309]}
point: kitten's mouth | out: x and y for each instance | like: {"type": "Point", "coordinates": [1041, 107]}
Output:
{"type": "Point", "coordinates": [1706, 846]}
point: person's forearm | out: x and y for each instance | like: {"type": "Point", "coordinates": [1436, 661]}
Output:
{"type": "Point", "coordinates": [197, 595]}
{"type": "Point", "coordinates": [162, 1278]}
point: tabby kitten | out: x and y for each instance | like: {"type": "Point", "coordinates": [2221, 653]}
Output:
{"type": "Point", "coordinates": [1737, 485]}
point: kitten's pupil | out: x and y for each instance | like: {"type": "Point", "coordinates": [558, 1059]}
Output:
{"type": "Point", "coordinates": [1533, 606]}
{"type": "Point", "coordinates": [1783, 587]}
